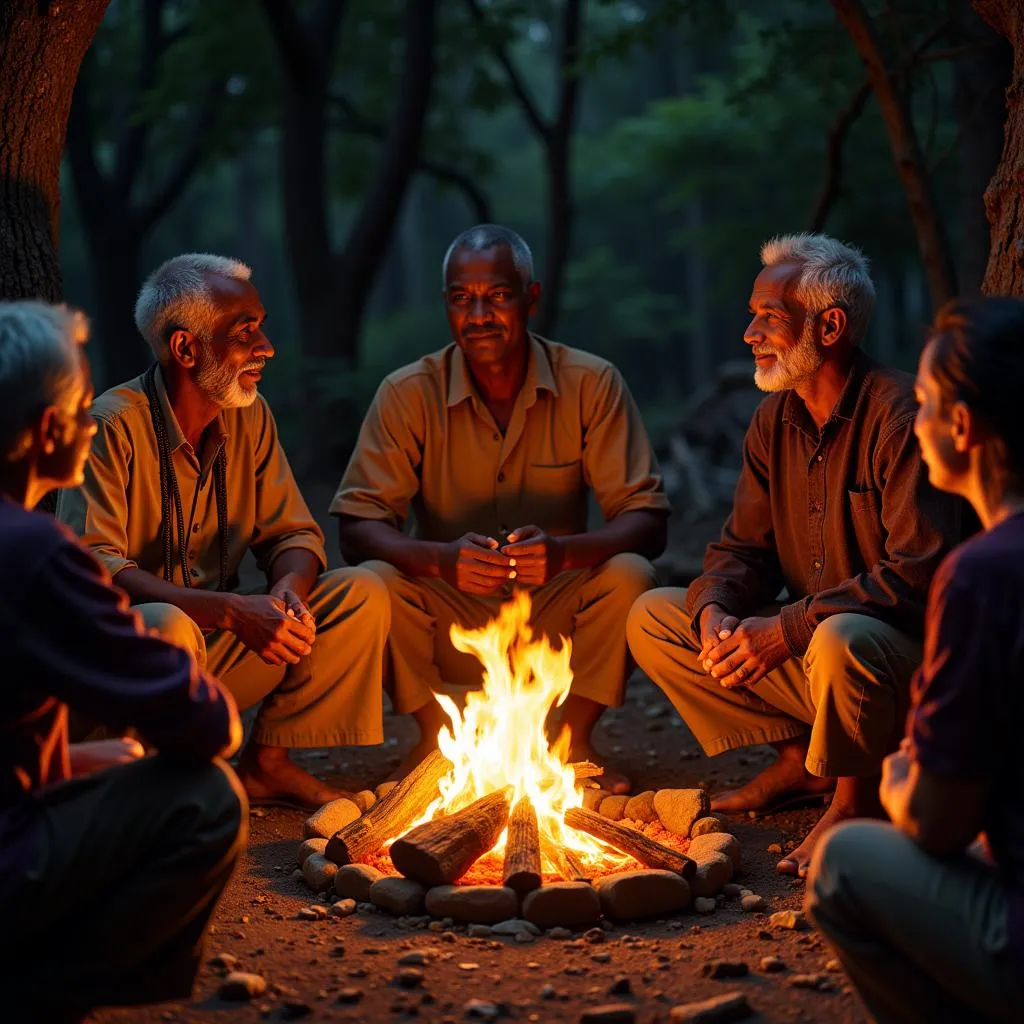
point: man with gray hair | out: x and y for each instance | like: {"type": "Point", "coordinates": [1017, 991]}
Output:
{"type": "Point", "coordinates": [186, 475]}
{"type": "Point", "coordinates": [111, 863]}
{"type": "Point", "coordinates": [834, 506]}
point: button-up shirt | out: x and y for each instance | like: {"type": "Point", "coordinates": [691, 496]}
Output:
{"type": "Point", "coordinates": [842, 517]}
{"type": "Point", "coordinates": [429, 444]}
{"type": "Point", "coordinates": [118, 513]}
{"type": "Point", "coordinates": [71, 641]}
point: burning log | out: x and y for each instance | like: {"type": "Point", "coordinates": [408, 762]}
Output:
{"type": "Point", "coordinates": [392, 815]}
{"type": "Point", "coordinates": [629, 841]}
{"type": "Point", "coordinates": [522, 849]}
{"type": "Point", "coordinates": [567, 864]}
{"type": "Point", "coordinates": [441, 851]}
{"type": "Point", "coordinates": [586, 770]}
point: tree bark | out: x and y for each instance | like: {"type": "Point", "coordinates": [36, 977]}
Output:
{"type": "Point", "coordinates": [41, 50]}
{"type": "Point", "coordinates": [522, 849]}
{"type": "Point", "coordinates": [1004, 198]}
{"type": "Point", "coordinates": [931, 237]}
{"type": "Point", "coordinates": [627, 840]}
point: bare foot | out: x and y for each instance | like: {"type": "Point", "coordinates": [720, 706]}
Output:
{"type": "Point", "coordinates": [271, 777]}
{"type": "Point", "coordinates": [855, 798]}
{"type": "Point", "coordinates": [783, 781]}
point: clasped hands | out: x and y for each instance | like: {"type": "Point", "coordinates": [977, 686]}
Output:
{"type": "Point", "coordinates": [476, 564]}
{"type": "Point", "coordinates": [740, 652]}
{"type": "Point", "coordinates": [277, 625]}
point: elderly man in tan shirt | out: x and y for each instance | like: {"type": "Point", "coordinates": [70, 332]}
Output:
{"type": "Point", "coordinates": [495, 444]}
{"type": "Point", "coordinates": [185, 476]}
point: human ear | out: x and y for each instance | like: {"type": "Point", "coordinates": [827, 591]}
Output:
{"type": "Point", "coordinates": [962, 427]}
{"type": "Point", "coordinates": [533, 297]}
{"type": "Point", "coordinates": [833, 325]}
{"type": "Point", "coordinates": [184, 348]}
{"type": "Point", "coordinates": [48, 430]}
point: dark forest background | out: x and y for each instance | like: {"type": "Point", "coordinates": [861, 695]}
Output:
{"type": "Point", "coordinates": [645, 150]}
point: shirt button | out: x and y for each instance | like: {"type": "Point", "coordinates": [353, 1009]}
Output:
{"type": "Point", "coordinates": [501, 478]}
{"type": "Point", "coordinates": [817, 565]}
{"type": "Point", "coordinates": [497, 437]}
{"type": "Point", "coordinates": [195, 528]}
{"type": "Point", "coordinates": [821, 458]}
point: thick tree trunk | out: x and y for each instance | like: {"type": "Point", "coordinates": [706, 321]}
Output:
{"type": "Point", "coordinates": [41, 49]}
{"type": "Point", "coordinates": [1004, 198]}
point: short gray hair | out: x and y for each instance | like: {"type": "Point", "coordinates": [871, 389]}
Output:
{"type": "Point", "coordinates": [177, 296]}
{"type": "Point", "coordinates": [490, 236]}
{"type": "Point", "coordinates": [39, 366]}
{"type": "Point", "coordinates": [833, 274]}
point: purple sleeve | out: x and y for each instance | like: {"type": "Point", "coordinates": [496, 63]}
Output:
{"type": "Point", "coordinates": [93, 654]}
{"type": "Point", "coordinates": [958, 723]}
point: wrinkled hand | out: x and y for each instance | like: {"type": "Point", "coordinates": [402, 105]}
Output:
{"type": "Point", "coordinates": [716, 624]}
{"type": "Point", "coordinates": [294, 605]}
{"type": "Point", "coordinates": [535, 555]}
{"type": "Point", "coordinates": [95, 755]}
{"type": "Point", "coordinates": [262, 623]}
{"type": "Point", "coordinates": [474, 565]}
{"type": "Point", "coordinates": [752, 649]}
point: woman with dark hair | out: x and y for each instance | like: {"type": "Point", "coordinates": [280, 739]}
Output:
{"type": "Point", "coordinates": [927, 913]}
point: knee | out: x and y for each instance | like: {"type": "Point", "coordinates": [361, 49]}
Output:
{"type": "Point", "coordinates": [842, 638]}
{"type": "Point", "coordinates": [367, 590]}
{"type": "Point", "coordinates": [648, 615]}
{"type": "Point", "coordinates": [224, 807]}
{"type": "Point", "coordinates": [842, 866]}
{"type": "Point", "coordinates": [390, 577]}
{"type": "Point", "coordinates": [174, 626]}
{"type": "Point", "coordinates": [629, 575]}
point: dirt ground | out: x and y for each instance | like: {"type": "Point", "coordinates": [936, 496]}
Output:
{"type": "Point", "coordinates": [308, 963]}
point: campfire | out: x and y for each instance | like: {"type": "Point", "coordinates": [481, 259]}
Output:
{"type": "Point", "coordinates": [497, 803]}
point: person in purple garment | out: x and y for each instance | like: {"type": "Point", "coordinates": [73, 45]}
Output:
{"type": "Point", "coordinates": [927, 913]}
{"type": "Point", "coordinates": [111, 862]}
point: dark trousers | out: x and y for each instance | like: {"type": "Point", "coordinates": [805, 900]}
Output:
{"type": "Point", "coordinates": [126, 870]}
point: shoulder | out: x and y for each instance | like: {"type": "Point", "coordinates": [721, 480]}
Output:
{"type": "Point", "coordinates": [121, 403]}
{"type": "Point", "coordinates": [990, 560]}
{"type": "Point", "coordinates": [577, 365]}
{"type": "Point", "coordinates": [418, 384]}
{"type": "Point", "coordinates": [889, 392]}
{"type": "Point", "coordinates": [28, 540]}
{"type": "Point", "coordinates": [767, 416]}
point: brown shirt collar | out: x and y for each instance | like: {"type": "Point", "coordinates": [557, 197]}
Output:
{"type": "Point", "coordinates": [539, 375]}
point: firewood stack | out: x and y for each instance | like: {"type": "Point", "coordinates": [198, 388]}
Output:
{"type": "Point", "coordinates": [542, 882]}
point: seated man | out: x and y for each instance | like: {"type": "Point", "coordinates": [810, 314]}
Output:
{"type": "Point", "coordinates": [107, 882]}
{"type": "Point", "coordinates": [834, 505]}
{"type": "Point", "coordinates": [186, 475]}
{"type": "Point", "coordinates": [927, 932]}
{"type": "Point", "coordinates": [495, 443]}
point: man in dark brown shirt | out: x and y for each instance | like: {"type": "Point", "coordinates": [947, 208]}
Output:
{"type": "Point", "coordinates": [833, 505]}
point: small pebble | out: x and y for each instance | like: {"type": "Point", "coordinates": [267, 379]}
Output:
{"type": "Point", "coordinates": [350, 995]}
{"type": "Point", "coordinates": [343, 908]}
{"type": "Point", "coordinates": [753, 903]}
{"type": "Point", "coordinates": [409, 977]}
{"type": "Point", "coordinates": [772, 964]}
{"type": "Point", "coordinates": [774, 848]}
{"type": "Point", "coordinates": [790, 920]}
{"type": "Point", "coordinates": [241, 985]}
{"type": "Point", "coordinates": [614, 1013]}
{"type": "Point", "coordinates": [725, 969]}
{"type": "Point", "coordinates": [548, 992]}
{"type": "Point", "coordinates": [704, 905]}
{"type": "Point", "coordinates": [481, 1009]}
{"type": "Point", "coordinates": [732, 891]}
{"type": "Point", "coordinates": [621, 987]}
{"type": "Point", "coordinates": [559, 933]}
{"type": "Point", "coordinates": [820, 982]}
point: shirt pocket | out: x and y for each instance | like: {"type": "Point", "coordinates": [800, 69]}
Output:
{"type": "Point", "coordinates": [866, 517]}
{"type": "Point", "coordinates": [555, 478]}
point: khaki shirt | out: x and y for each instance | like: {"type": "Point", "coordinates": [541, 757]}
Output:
{"type": "Point", "coordinates": [430, 443]}
{"type": "Point", "coordinates": [117, 510]}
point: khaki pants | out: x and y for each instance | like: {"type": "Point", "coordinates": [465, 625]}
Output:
{"type": "Point", "coordinates": [125, 871]}
{"type": "Point", "coordinates": [331, 698]}
{"type": "Point", "coordinates": [924, 940]}
{"type": "Point", "coordinates": [589, 605]}
{"type": "Point", "coordinates": [850, 691]}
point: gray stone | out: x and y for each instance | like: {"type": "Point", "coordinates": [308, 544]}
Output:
{"type": "Point", "coordinates": [308, 847]}
{"type": "Point", "coordinates": [365, 799]}
{"type": "Point", "coordinates": [350, 995]}
{"type": "Point", "coordinates": [319, 872]}
{"type": "Point", "coordinates": [569, 904]}
{"type": "Point", "coordinates": [514, 927]}
{"type": "Point", "coordinates": [717, 842]}
{"type": "Point", "coordinates": [721, 1009]}
{"type": "Point", "coordinates": [322, 824]}
{"type": "Point", "coordinates": [479, 931]}
{"type": "Point", "coordinates": [678, 809]}
{"type": "Point", "coordinates": [241, 985]}
{"type": "Point", "coordinates": [383, 789]}
{"type": "Point", "coordinates": [399, 895]}
{"type": "Point", "coordinates": [821, 982]}
{"type": "Point", "coordinates": [224, 962]}
{"type": "Point", "coordinates": [473, 904]}
{"type": "Point", "coordinates": [704, 905]}
{"type": "Point", "coordinates": [409, 977]}
{"type": "Point", "coordinates": [641, 807]}
{"type": "Point", "coordinates": [712, 874]}
{"type": "Point", "coordinates": [613, 807]}
{"type": "Point", "coordinates": [611, 1013]}
{"type": "Point", "coordinates": [772, 964]}
{"type": "Point", "coordinates": [637, 895]}
{"type": "Point", "coordinates": [732, 890]}
{"type": "Point", "coordinates": [353, 881]}
{"type": "Point", "coordinates": [419, 957]}
{"type": "Point", "coordinates": [752, 903]}
{"type": "Point", "coordinates": [481, 1009]}
{"type": "Point", "coordinates": [725, 969]}
{"type": "Point", "coordinates": [343, 908]}
{"type": "Point", "coordinates": [559, 933]}
{"type": "Point", "coordinates": [314, 913]}
{"type": "Point", "coordinates": [705, 826]}
{"type": "Point", "coordinates": [592, 798]}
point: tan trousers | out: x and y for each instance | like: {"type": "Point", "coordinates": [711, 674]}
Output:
{"type": "Point", "coordinates": [331, 698]}
{"type": "Point", "coordinates": [126, 868]}
{"type": "Point", "coordinates": [850, 691]}
{"type": "Point", "coordinates": [589, 605]}
{"type": "Point", "coordinates": [923, 940]}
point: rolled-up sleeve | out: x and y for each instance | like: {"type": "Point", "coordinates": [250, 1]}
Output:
{"type": "Point", "coordinates": [382, 476]}
{"type": "Point", "coordinates": [97, 512]}
{"type": "Point", "coordinates": [283, 520]}
{"type": "Point", "coordinates": [618, 461]}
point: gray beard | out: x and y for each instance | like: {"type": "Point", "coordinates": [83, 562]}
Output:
{"type": "Point", "coordinates": [792, 367]}
{"type": "Point", "coordinates": [221, 384]}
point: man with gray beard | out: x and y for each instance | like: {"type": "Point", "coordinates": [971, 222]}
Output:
{"type": "Point", "coordinates": [833, 508]}
{"type": "Point", "coordinates": [186, 475]}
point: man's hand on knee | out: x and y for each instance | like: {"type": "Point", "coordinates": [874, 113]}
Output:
{"type": "Point", "coordinates": [263, 624]}
{"type": "Point", "coordinates": [752, 649]}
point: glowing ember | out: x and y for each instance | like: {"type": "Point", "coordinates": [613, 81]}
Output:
{"type": "Point", "coordinates": [499, 739]}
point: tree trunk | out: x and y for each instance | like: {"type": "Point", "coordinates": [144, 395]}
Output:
{"type": "Point", "coordinates": [1004, 198]}
{"type": "Point", "coordinates": [906, 150]}
{"type": "Point", "coordinates": [41, 49]}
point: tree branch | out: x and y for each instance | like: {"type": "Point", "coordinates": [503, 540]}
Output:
{"type": "Point", "coordinates": [515, 81]}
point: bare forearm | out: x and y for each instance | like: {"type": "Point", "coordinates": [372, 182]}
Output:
{"type": "Point", "coordinates": [365, 539]}
{"type": "Point", "coordinates": [296, 568]}
{"type": "Point", "coordinates": [642, 533]}
{"type": "Point", "coordinates": [208, 609]}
